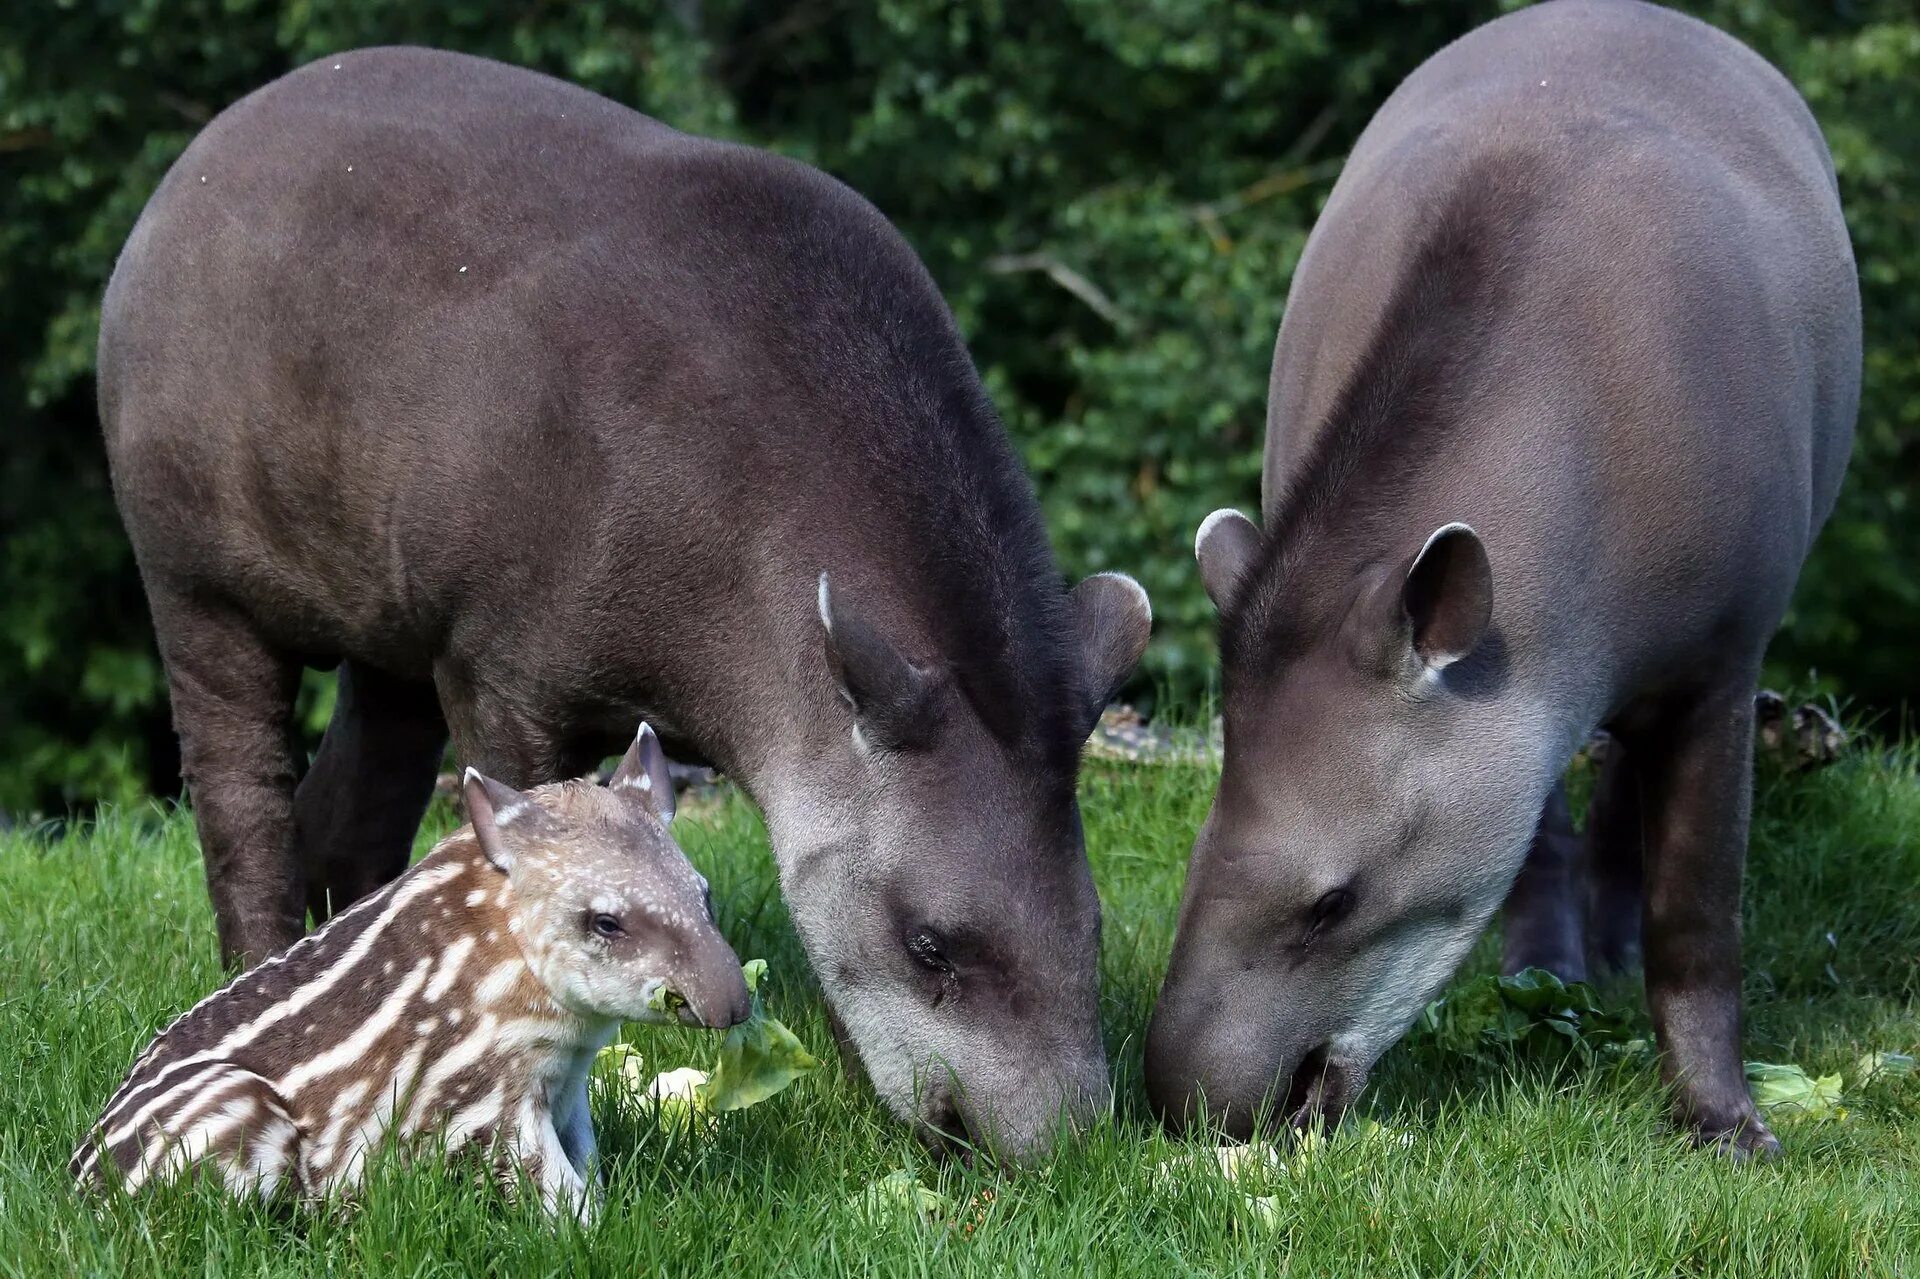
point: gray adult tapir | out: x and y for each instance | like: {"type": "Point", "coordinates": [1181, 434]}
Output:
{"type": "Point", "coordinates": [1564, 390]}
{"type": "Point", "coordinates": [539, 418]}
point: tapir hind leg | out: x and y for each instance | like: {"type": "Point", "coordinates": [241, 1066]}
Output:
{"type": "Point", "coordinates": [1542, 922]}
{"type": "Point", "coordinates": [1696, 771]}
{"type": "Point", "coordinates": [1615, 853]}
{"type": "Point", "coordinates": [356, 811]}
{"type": "Point", "coordinates": [232, 706]}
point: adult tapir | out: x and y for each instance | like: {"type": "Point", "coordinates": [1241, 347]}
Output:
{"type": "Point", "coordinates": [538, 418]}
{"type": "Point", "coordinates": [1564, 390]}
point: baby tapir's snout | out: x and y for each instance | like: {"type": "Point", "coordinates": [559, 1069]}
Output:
{"type": "Point", "coordinates": [716, 994]}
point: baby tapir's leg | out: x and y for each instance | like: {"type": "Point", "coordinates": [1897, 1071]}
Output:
{"type": "Point", "coordinates": [232, 706]}
{"type": "Point", "coordinates": [1696, 772]}
{"type": "Point", "coordinates": [536, 1153]}
{"type": "Point", "coordinates": [223, 1120]}
{"type": "Point", "coordinates": [1546, 907]}
{"type": "Point", "coordinates": [357, 808]}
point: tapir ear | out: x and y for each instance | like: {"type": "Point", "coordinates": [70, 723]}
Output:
{"type": "Point", "coordinates": [1115, 620]}
{"type": "Point", "coordinates": [895, 704]}
{"type": "Point", "coordinates": [643, 775]}
{"type": "Point", "coordinates": [494, 809]}
{"type": "Point", "coordinates": [1448, 596]}
{"type": "Point", "coordinates": [1225, 546]}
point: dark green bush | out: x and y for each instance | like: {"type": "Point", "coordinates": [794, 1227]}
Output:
{"type": "Point", "coordinates": [1113, 196]}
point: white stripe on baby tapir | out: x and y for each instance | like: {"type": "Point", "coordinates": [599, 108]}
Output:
{"type": "Point", "coordinates": [354, 1047]}
{"type": "Point", "coordinates": [451, 961]}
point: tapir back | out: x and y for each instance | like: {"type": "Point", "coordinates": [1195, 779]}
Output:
{"type": "Point", "coordinates": [414, 447]}
{"type": "Point", "coordinates": [1650, 388]}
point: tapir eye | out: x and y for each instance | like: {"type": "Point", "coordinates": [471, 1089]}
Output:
{"type": "Point", "coordinates": [606, 925]}
{"type": "Point", "coordinates": [929, 950]}
{"type": "Point", "coordinates": [1332, 907]}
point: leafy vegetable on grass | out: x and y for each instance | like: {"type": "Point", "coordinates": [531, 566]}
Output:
{"type": "Point", "coordinates": [758, 1058]}
{"type": "Point", "coordinates": [1531, 1011]}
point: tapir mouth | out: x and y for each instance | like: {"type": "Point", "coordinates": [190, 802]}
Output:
{"type": "Point", "coordinates": [1320, 1089]}
{"type": "Point", "coordinates": [943, 1130]}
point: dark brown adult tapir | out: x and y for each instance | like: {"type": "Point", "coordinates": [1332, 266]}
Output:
{"type": "Point", "coordinates": [538, 418]}
{"type": "Point", "coordinates": [1565, 388]}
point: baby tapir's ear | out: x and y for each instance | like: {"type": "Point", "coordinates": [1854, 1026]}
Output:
{"type": "Point", "coordinates": [643, 775]}
{"type": "Point", "coordinates": [492, 808]}
{"type": "Point", "coordinates": [895, 704]}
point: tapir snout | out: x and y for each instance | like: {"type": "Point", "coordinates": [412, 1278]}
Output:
{"type": "Point", "coordinates": [716, 994]}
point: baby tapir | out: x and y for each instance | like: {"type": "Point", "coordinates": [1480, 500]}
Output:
{"type": "Point", "coordinates": [464, 1002]}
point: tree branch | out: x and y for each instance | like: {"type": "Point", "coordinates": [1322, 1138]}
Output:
{"type": "Point", "coordinates": [1067, 278]}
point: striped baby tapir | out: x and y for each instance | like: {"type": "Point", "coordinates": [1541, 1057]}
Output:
{"type": "Point", "coordinates": [458, 1008]}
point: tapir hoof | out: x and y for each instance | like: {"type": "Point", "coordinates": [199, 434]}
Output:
{"type": "Point", "coordinates": [1748, 1138]}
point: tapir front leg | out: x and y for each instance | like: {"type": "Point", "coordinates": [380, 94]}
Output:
{"type": "Point", "coordinates": [1696, 771]}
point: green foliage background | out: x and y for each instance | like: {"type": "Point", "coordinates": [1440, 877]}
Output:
{"type": "Point", "coordinates": [1112, 194]}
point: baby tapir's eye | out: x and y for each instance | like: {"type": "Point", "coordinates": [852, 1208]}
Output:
{"type": "Point", "coordinates": [605, 925]}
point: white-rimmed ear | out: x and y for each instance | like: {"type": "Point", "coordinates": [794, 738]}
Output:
{"type": "Point", "coordinates": [495, 810]}
{"type": "Point", "coordinates": [643, 774]}
{"type": "Point", "coordinates": [895, 703]}
{"type": "Point", "coordinates": [1448, 596]}
{"type": "Point", "coordinates": [1115, 619]}
{"type": "Point", "coordinates": [1225, 547]}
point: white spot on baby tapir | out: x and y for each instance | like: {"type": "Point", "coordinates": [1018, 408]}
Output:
{"type": "Point", "coordinates": [495, 986]}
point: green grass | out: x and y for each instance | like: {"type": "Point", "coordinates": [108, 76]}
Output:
{"type": "Point", "coordinates": [1519, 1168]}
